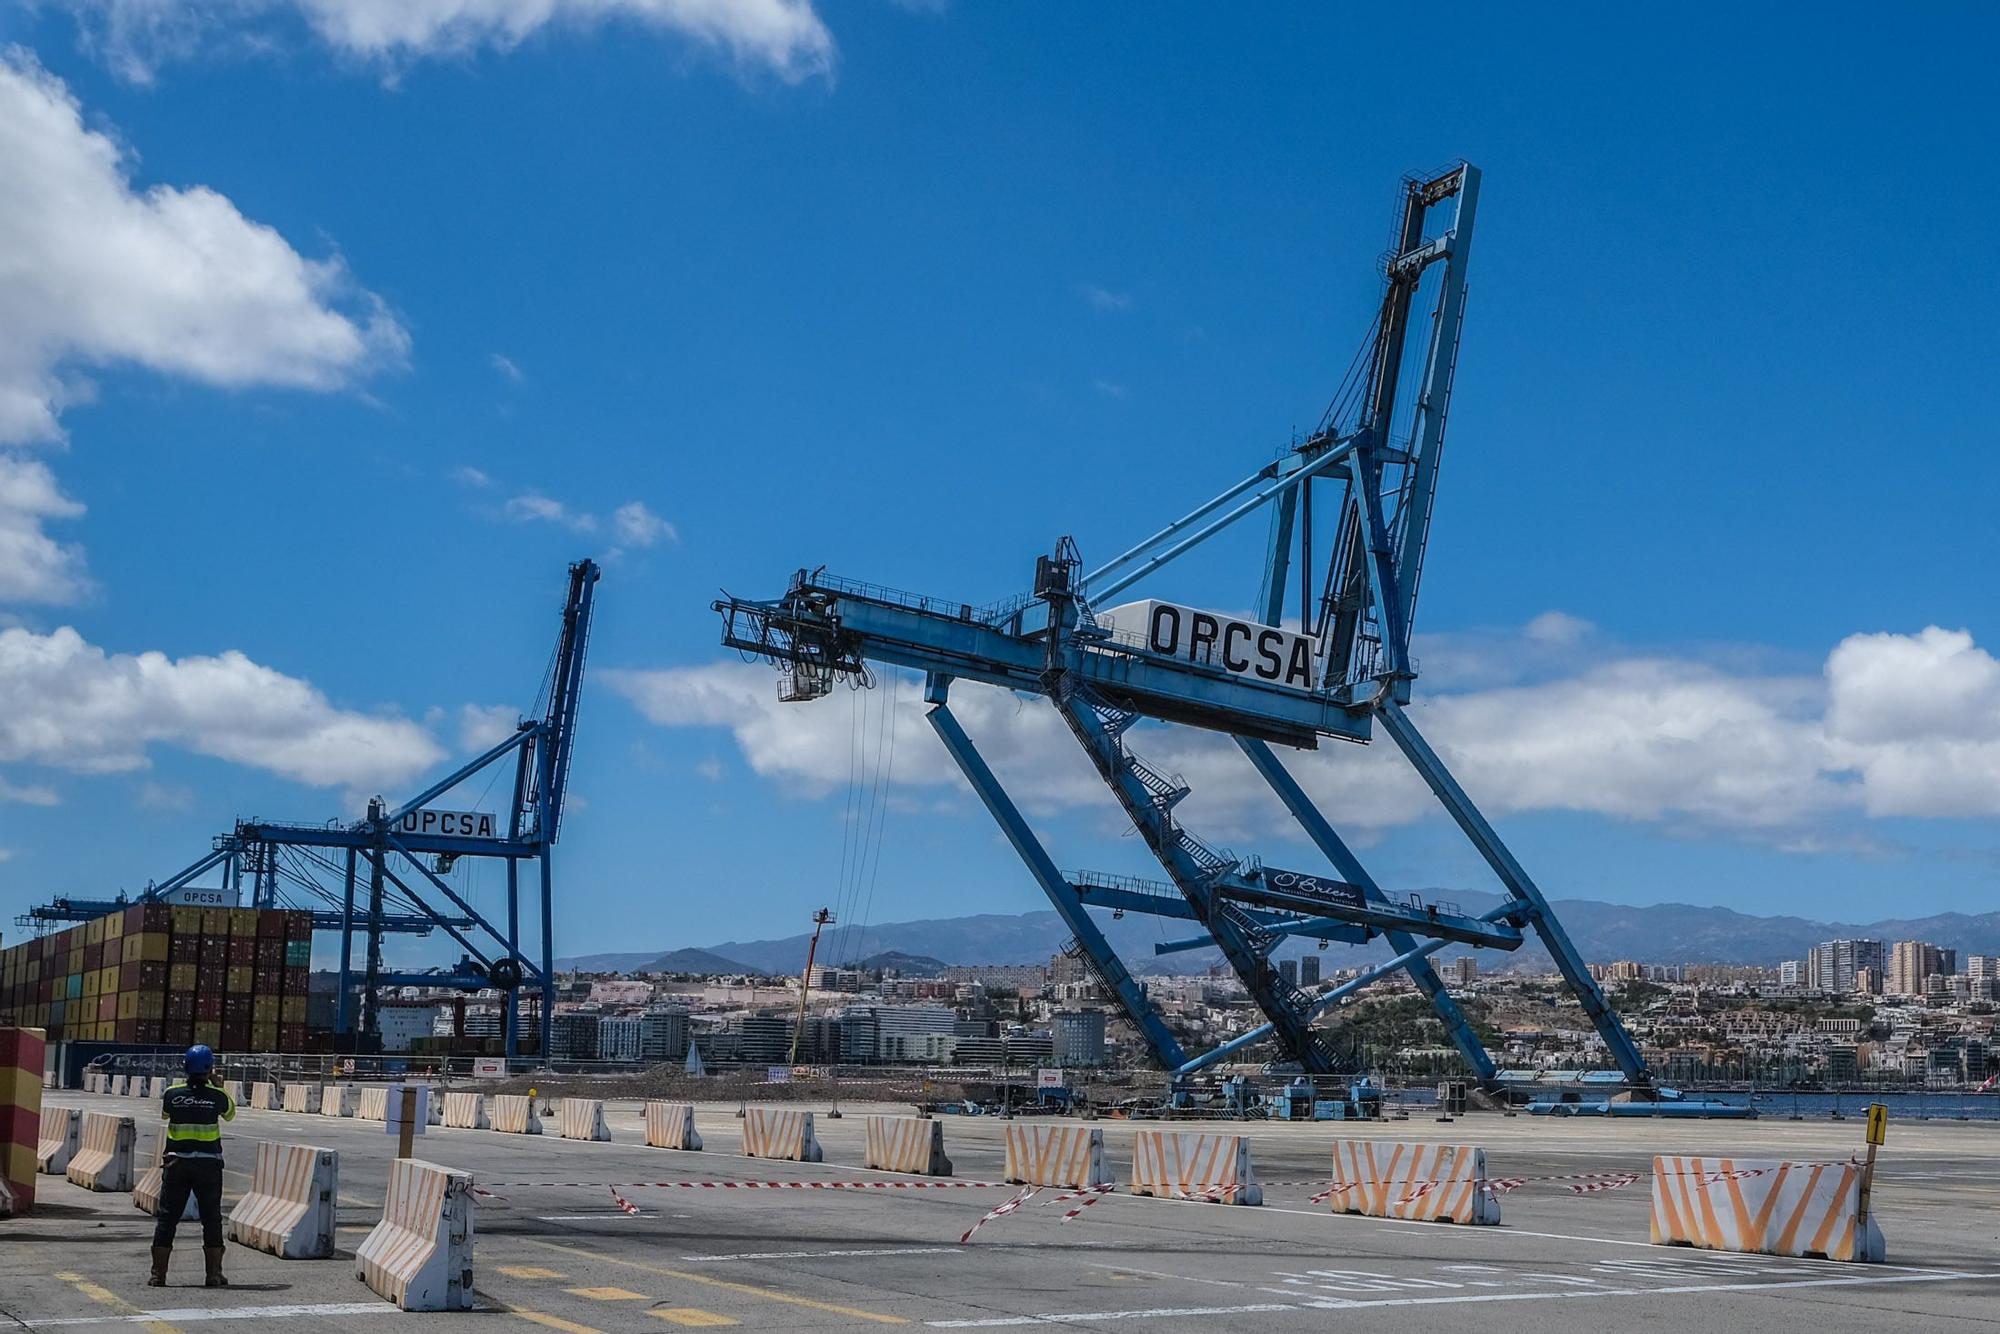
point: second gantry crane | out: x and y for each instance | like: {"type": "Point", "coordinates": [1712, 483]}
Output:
{"type": "Point", "coordinates": [1107, 665]}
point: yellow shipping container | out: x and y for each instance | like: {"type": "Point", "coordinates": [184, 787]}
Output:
{"type": "Point", "coordinates": [107, 981]}
{"type": "Point", "coordinates": [146, 947]}
{"type": "Point", "coordinates": [93, 931]}
{"type": "Point", "coordinates": [34, 971]}
{"type": "Point", "coordinates": [263, 1037]}
{"type": "Point", "coordinates": [128, 1005]}
{"type": "Point", "coordinates": [74, 964]}
{"type": "Point", "coordinates": [180, 977]}
{"type": "Point", "coordinates": [91, 981]}
{"type": "Point", "coordinates": [114, 926]}
{"type": "Point", "coordinates": [264, 1010]}
{"type": "Point", "coordinates": [240, 979]}
{"type": "Point", "coordinates": [187, 921]}
{"type": "Point", "coordinates": [243, 921]}
{"type": "Point", "coordinates": [152, 1005]}
{"type": "Point", "coordinates": [208, 1032]}
{"type": "Point", "coordinates": [293, 1010]}
{"type": "Point", "coordinates": [215, 921]}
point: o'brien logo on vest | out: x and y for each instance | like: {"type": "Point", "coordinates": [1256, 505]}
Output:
{"type": "Point", "coordinates": [1241, 648]}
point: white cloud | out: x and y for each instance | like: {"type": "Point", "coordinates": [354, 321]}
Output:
{"type": "Point", "coordinates": [506, 367]}
{"type": "Point", "coordinates": [1103, 298]}
{"type": "Point", "coordinates": [6, 854]}
{"type": "Point", "coordinates": [34, 567]}
{"type": "Point", "coordinates": [637, 526]}
{"type": "Point", "coordinates": [483, 726]}
{"type": "Point", "coordinates": [533, 507]}
{"type": "Point", "coordinates": [1108, 388]}
{"type": "Point", "coordinates": [174, 280]}
{"type": "Point", "coordinates": [76, 707]}
{"type": "Point", "coordinates": [466, 475]}
{"type": "Point", "coordinates": [1900, 725]}
{"type": "Point", "coordinates": [784, 37]}
{"type": "Point", "coordinates": [154, 796]}
{"type": "Point", "coordinates": [34, 794]}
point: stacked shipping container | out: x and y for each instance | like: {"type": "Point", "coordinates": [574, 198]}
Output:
{"type": "Point", "coordinates": [234, 978]}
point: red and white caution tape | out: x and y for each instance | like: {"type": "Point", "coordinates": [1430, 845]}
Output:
{"type": "Point", "coordinates": [748, 1185]}
{"type": "Point", "coordinates": [1001, 1211]}
{"type": "Point", "coordinates": [624, 1204]}
{"type": "Point", "coordinates": [1089, 1195]}
{"type": "Point", "coordinates": [1610, 1181]}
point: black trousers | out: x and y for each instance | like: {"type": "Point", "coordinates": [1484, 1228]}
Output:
{"type": "Point", "coordinates": [201, 1178]}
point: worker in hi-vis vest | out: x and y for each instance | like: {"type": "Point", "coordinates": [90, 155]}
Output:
{"type": "Point", "coordinates": [194, 1110]}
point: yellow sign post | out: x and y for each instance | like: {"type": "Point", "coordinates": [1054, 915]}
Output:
{"type": "Point", "coordinates": [1878, 1135]}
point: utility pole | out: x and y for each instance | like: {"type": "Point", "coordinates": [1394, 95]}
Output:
{"type": "Point", "coordinates": [821, 920]}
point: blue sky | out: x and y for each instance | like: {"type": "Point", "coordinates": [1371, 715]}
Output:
{"type": "Point", "coordinates": [336, 331]}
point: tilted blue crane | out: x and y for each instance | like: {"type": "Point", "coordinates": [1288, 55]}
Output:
{"type": "Point", "coordinates": [1106, 666]}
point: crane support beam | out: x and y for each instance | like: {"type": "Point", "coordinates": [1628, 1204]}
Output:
{"type": "Point", "coordinates": [1097, 950]}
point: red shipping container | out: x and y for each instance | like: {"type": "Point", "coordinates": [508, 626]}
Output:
{"type": "Point", "coordinates": [149, 917]}
{"type": "Point", "coordinates": [242, 951]}
{"type": "Point", "coordinates": [292, 1037]}
{"type": "Point", "coordinates": [298, 926]}
{"type": "Point", "coordinates": [270, 981]}
{"type": "Point", "coordinates": [184, 949]}
{"type": "Point", "coordinates": [177, 1030]}
{"type": "Point", "coordinates": [297, 980]}
{"type": "Point", "coordinates": [236, 1037]}
{"type": "Point", "coordinates": [93, 956]}
{"type": "Point", "coordinates": [235, 1008]}
{"type": "Point", "coordinates": [208, 1006]}
{"type": "Point", "coordinates": [149, 1030]}
{"type": "Point", "coordinates": [128, 1030]}
{"type": "Point", "coordinates": [271, 923]}
{"type": "Point", "coordinates": [270, 952]}
{"type": "Point", "coordinates": [214, 951]}
{"type": "Point", "coordinates": [128, 976]}
{"type": "Point", "coordinates": [107, 1008]}
{"type": "Point", "coordinates": [152, 977]}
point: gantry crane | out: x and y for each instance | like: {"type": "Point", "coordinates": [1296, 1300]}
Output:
{"type": "Point", "coordinates": [1106, 666]}
{"type": "Point", "coordinates": [407, 849]}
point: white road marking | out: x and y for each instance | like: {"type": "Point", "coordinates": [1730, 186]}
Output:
{"type": "Point", "coordinates": [1360, 1304]}
{"type": "Point", "coordinates": [813, 1255]}
{"type": "Point", "coordinates": [1154, 1273]}
{"type": "Point", "coordinates": [192, 1315]}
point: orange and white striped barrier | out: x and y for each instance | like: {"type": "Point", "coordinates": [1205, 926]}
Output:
{"type": "Point", "coordinates": [1185, 1165]}
{"type": "Point", "coordinates": [776, 1132]}
{"type": "Point", "coordinates": [302, 1098]}
{"type": "Point", "coordinates": [583, 1118]}
{"type": "Point", "coordinates": [339, 1100]}
{"type": "Point", "coordinates": [288, 1210]}
{"type": "Point", "coordinates": [907, 1144]}
{"type": "Point", "coordinates": [146, 1190]}
{"type": "Point", "coordinates": [374, 1104]}
{"type": "Point", "coordinates": [420, 1255]}
{"type": "Point", "coordinates": [1764, 1206]}
{"type": "Point", "coordinates": [1039, 1155]}
{"type": "Point", "coordinates": [103, 1158]}
{"type": "Point", "coordinates": [1440, 1183]}
{"type": "Point", "coordinates": [264, 1096]}
{"type": "Point", "coordinates": [670, 1125]}
{"type": "Point", "coordinates": [56, 1142]}
{"type": "Point", "coordinates": [514, 1114]}
{"type": "Point", "coordinates": [466, 1111]}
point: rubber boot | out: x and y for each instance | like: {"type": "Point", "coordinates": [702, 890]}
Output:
{"type": "Point", "coordinates": [213, 1255]}
{"type": "Point", "coordinates": [158, 1278]}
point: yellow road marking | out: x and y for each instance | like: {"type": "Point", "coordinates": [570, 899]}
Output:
{"type": "Point", "coordinates": [106, 1297]}
{"type": "Point", "coordinates": [747, 1289]}
{"type": "Point", "coordinates": [607, 1294]}
{"type": "Point", "coordinates": [528, 1271]}
{"type": "Point", "coordinates": [691, 1315]}
{"type": "Point", "coordinates": [540, 1317]}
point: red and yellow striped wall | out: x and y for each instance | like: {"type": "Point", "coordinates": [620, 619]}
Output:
{"type": "Point", "coordinates": [21, 1060]}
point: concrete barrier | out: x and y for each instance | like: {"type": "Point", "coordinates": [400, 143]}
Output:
{"type": "Point", "coordinates": [1188, 1165]}
{"type": "Point", "coordinates": [146, 1190]}
{"type": "Point", "coordinates": [234, 1088]}
{"type": "Point", "coordinates": [583, 1118]}
{"type": "Point", "coordinates": [56, 1143]}
{"type": "Point", "coordinates": [264, 1096]}
{"type": "Point", "coordinates": [90, 1081]}
{"type": "Point", "coordinates": [339, 1100]}
{"type": "Point", "coordinates": [1763, 1206]}
{"type": "Point", "coordinates": [288, 1210]}
{"type": "Point", "coordinates": [157, 1087]}
{"type": "Point", "coordinates": [302, 1098]}
{"type": "Point", "coordinates": [7, 1204]}
{"type": "Point", "coordinates": [1039, 1155]}
{"type": "Point", "coordinates": [670, 1125]}
{"type": "Point", "coordinates": [1443, 1183]}
{"type": "Point", "coordinates": [420, 1255]}
{"type": "Point", "coordinates": [139, 1086]}
{"type": "Point", "coordinates": [374, 1105]}
{"type": "Point", "coordinates": [514, 1114]}
{"type": "Point", "coordinates": [466, 1111]}
{"type": "Point", "coordinates": [103, 1158]}
{"type": "Point", "coordinates": [121, 1086]}
{"type": "Point", "coordinates": [775, 1132]}
{"type": "Point", "coordinates": [907, 1144]}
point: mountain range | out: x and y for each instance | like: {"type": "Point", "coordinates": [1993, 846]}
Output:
{"type": "Point", "coordinates": [1655, 933]}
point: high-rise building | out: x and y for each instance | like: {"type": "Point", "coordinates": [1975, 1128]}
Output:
{"type": "Point", "coordinates": [1834, 965]}
{"type": "Point", "coordinates": [1465, 970]}
{"type": "Point", "coordinates": [573, 1035]}
{"type": "Point", "coordinates": [619, 1037]}
{"type": "Point", "coordinates": [1288, 969]}
{"type": "Point", "coordinates": [1913, 963]}
{"type": "Point", "coordinates": [1983, 965]}
{"type": "Point", "coordinates": [1792, 973]}
{"type": "Point", "coordinates": [1076, 1037]}
{"type": "Point", "coordinates": [663, 1033]}
{"type": "Point", "coordinates": [1309, 970]}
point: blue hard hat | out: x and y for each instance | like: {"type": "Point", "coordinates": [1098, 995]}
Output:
{"type": "Point", "coordinates": [200, 1060]}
